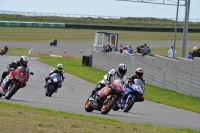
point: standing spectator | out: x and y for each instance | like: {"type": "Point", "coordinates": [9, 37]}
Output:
{"type": "Point", "coordinates": [130, 50]}
{"type": "Point", "coordinates": [121, 48]}
{"type": "Point", "coordinates": [190, 55]}
{"type": "Point", "coordinates": [171, 52]}
{"type": "Point", "coordinates": [195, 52]}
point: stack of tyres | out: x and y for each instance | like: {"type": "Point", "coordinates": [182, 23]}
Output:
{"type": "Point", "coordinates": [87, 61]}
{"type": "Point", "coordinates": [83, 60]}
{"type": "Point", "coordinates": [90, 63]}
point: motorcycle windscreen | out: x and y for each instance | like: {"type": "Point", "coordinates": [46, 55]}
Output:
{"type": "Point", "coordinates": [22, 69]}
{"type": "Point", "coordinates": [139, 82]}
{"type": "Point", "coordinates": [55, 75]}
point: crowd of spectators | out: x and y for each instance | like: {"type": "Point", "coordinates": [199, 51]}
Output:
{"type": "Point", "coordinates": [194, 53]}
{"type": "Point", "coordinates": [143, 49]}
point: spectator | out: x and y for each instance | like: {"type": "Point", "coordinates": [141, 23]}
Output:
{"type": "Point", "coordinates": [121, 48]}
{"type": "Point", "coordinates": [130, 50]}
{"type": "Point", "coordinates": [145, 46]}
{"type": "Point", "coordinates": [125, 52]}
{"type": "Point", "coordinates": [104, 48]}
{"type": "Point", "coordinates": [171, 52]}
{"type": "Point", "coordinates": [198, 52]}
{"type": "Point", "coordinates": [195, 52]}
{"type": "Point", "coordinates": [138, 49]}
{"type": "Point", "coordinates": [148, 50]}
{"type": "Point", "coordinates": [190, 55]}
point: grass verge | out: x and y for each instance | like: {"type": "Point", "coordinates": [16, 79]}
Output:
{"type": "Point", "coordinates": [20, 118]}
{"type": "Point", "coordinates": [27, 34]}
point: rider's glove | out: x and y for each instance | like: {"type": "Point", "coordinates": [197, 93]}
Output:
{"type": "Point", "coordinates": [12, 69]}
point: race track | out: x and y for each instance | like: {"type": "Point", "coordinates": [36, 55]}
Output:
{"type": "Point", "coordinates": [72, 96]}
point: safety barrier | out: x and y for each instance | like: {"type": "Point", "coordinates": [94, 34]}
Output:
{"type": "Point", "coordinates": [32, 24]}
{"type": "Point", "coordinates": [94, 26]}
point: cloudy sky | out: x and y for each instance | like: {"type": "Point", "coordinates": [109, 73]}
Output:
{"type": "Point", "coordinates": [100, 7]}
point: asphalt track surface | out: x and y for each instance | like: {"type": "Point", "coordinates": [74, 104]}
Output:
{"type": "Point", "coordinates": [72, 96]}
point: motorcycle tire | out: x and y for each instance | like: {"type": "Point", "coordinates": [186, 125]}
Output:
{"type": "Point", "coordinates": [88, 106]}
{"type": "Point", "coordinates": [11, 91]}
{"type": "Point", "coordinates": [116, 107]}
{"type": "Point", "coordinates": [108, 105]}
{"type": "Point", "coordinates": [52, 89]}
{"type": "Point", "coordinates": [129, 105]}
{"type": "Point", "coordinates": [0, 95]}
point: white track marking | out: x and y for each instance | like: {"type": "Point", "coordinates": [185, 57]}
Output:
{"type": "Point", "coordinates": [29, 52]}
{"type": "Point", "coordinates": [55, 55]}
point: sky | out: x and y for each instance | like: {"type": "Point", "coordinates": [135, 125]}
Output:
{"type": "Point", "coordinates": [101, 7]}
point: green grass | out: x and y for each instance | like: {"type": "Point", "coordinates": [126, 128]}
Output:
{"type": "Point", "coordinates": [27, 34]}
{"type": "Point", "coordinates": [128, 21]}
{"type": "Point", "coordinates": [23, 119]}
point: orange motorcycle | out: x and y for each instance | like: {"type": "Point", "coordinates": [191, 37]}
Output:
{"type": "Point", "coordinates": [105, 99]}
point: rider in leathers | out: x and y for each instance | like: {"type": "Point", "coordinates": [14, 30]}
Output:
{"type": "Point", "coordinates": [11, 67]}
{"type": "Point", "coordinates": [112, 75]}
{"type": "Point", "coordinates": [59, 70]}
{"type": "Point", "coordinates": [138, 75]}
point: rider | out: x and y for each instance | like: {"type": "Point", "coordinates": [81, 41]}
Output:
{"type": "Point", "coordinates": [12, 66]}
{"type": "Point", "coordinates": [138, 75]}
{"type": "Point", "coordinates": [55, 41]}
{"type": "Point", "coordinates": [59, 70]}
{"type": "Point", "coordinates": [4, 50]}
{"type": "Point", "coordinates": [112, 75]}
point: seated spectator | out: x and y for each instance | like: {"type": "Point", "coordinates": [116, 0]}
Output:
{"type": "Point", "coordinates": [195, 52]}
{"type": "Point", "coordinates": [138, 49]}
{"type": "Point", "coordinates": [148, 50]}
{"type": "Point", "coordinates": [190, 55]}
{"type": "Point", "coordinates": [130, 50]}
{"type": "Point", "coordinates": [104, 48]}
{"type": "Point", "coordinates": [125, 52]}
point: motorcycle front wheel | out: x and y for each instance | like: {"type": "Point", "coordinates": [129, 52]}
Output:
{"type": "Point", "coordinates": [52, 89]}
{"type": "Point", "coordinates": [129, 104]}
{"type": "Point", "coordinates": [11, 91]}
{"type": "Point", "coordinates": [108, 104]}
{"type": "Point", "coordinates": [88, 106]}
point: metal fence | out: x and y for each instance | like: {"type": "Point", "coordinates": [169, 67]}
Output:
{"type": "Point", "coordinates": [84, 16]}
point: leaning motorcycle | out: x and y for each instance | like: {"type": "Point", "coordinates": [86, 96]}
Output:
{"type": "Point", "coordinates": [53, 84]}
{"type": "Point", "coordinates": [15, 80]}
{"type": "Point", "coordinates": [105, 98]}
{"type": "Point", "coordinates": [53, 43]}
{"type": "Point", "coordinates": [134, 91]}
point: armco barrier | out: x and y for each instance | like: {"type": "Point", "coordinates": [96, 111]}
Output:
{"type": "Point", "coordinates": [32, 24]}
{"type": "Point", "coordinates": [92, 26]}
{"type": "Point", "coordinates": [182, 75]}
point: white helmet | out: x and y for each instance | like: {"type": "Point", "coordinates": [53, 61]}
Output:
{"type": "Point", "coordinates": [122, 69]}
{"type": "Point", "coordinates": [23, 60]}
{"type": "Point", "coordinates": [59, 67]}
{"type": "Point", "coordinates": [195, 48]}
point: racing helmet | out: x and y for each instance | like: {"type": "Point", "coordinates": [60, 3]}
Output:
{"type": "Point", "coordinates": [122, 68]}
{"type": "Point", "coordinates": [139, 72]}
{"type": "Point", "coordinates": [59, 67]}
{"type": "Point", "coordinates": [23, 60]}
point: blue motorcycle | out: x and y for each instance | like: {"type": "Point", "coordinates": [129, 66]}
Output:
{"type": "Point", "coordinates": [133, 92]}
{"type": "Point", "coordinates": [53, 84]}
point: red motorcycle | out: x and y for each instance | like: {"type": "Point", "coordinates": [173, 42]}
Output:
{"type": "Point", "coordinates": [15, 80]}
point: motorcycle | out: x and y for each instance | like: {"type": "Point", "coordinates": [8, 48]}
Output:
{"type": "Point", "coordinates": [53, 43]}
{"type": "Point", "coordinates": [134, 91]}
{"type": "Point", "coordinates": [16, 79]}
{"type": "Point", "coordinates": [105, 99]}
{"type": "Point", "coordinates": [53, 84]}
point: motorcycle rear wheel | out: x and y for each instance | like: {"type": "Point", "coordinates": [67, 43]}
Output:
{"type": "Point", "coordinates": [11, 91]}
{"type": "Point", "coordinates": [108, 105]}
{"type": "Point", "coordinates": [129, 105]}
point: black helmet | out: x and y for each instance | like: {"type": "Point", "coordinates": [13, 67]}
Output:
{"type": "Point", "coordinates": [23, 60]}
{"type": "Point", "coordinates": [5, 47]}
{"type": "Point", "coordinates": [139, 72]}
{"type": "Point", "coordinates": [122, 69]}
